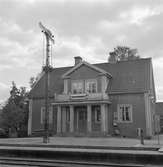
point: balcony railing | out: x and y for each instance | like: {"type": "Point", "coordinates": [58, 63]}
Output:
{"type": "Point", "coordinates": [83, 96]}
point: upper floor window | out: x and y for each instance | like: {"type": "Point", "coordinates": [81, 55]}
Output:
{"type": "Point", "coordinates": [91, 86]}
{"type": "Point", "coordinates": [77, 87]}
{"type": "Point", "coordinates": [125, 113]}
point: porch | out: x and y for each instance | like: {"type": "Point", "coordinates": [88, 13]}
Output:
{"type": "Point", "coordinates": [82, 119]}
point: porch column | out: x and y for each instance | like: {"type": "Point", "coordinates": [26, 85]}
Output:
{"type": "Point", "coordinates": [89, 118]}
{"type": "Point", "coordinates": [71, 118]}
{"type": "Point", "coordinates": [59, 119]}
{"type": "Point", "coordinates": [63, 119]}
{"type": "Point", "coordinates": [103, 119]}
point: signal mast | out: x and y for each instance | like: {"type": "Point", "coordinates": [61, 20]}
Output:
{"type": "Point", "coordinates": [47, 69]}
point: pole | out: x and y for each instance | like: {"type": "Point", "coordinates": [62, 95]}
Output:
{"type": "Point", "coordinates": [46, 69]}
{"type": "Point", "coordinates": [141, 136]}
{"type": "Point", "coordinates": [158, 138]}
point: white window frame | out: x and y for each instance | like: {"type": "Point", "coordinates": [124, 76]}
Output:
{"type": "Point", "coordinates": [96, 112]}
{"type": "Point", "coordinates": [72, 88]}
{"type": "Point", "coordinates": [120, 114]}
{"type": "Point", "coordinates": [43, 115]}
{"type": "Point", "coordinates": [87, 82]}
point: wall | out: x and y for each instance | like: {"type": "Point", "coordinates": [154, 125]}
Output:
{"type": "Point", "coordinates": [36, 116]}
{"type": "Point", "coordinates": [138, 113]}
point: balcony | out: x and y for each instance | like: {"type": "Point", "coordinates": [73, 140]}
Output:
{"type": "Point", "coordinates": [83, 96]}
{"type": "Point", "coordinates": [97, 96]}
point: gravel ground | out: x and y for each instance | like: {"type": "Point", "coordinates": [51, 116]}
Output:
{"type": "Point", "coordinates": [107, 141]}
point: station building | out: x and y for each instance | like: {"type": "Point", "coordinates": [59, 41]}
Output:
{"type": "Point", "coordinates": [105, 99]}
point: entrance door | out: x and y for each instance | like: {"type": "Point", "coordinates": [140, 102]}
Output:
{"type": "Point", "coordinates": [81, 119]}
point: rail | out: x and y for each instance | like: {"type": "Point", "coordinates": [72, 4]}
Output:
{"type": "Point", "coordinates": [58, 163]}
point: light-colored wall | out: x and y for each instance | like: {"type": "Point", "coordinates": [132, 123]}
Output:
{"type": "Point", "coordinates": [150, 112]}
{"type": "Point", "coordinates": [65, 91]}
{"type": "Point", "coordinates": [104, 83]}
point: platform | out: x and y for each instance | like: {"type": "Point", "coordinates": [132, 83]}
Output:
{"type": "Point", "coordinates": [108, 149]}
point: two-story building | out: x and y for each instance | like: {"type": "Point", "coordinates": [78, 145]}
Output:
{"type": "Point", "coordinates": [112, 98]}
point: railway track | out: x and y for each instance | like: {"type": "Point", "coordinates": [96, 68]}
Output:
{"type": "Point", "coordinates": [31, 162]}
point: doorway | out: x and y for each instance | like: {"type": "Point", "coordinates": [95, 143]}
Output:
{"type": "Point", "coordinates": [81, 119]}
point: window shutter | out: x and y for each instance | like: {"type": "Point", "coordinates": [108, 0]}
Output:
{"type": "Point", "coordinates": [119, 113]}
{"type": "Point", "coordinates": [130, 113]}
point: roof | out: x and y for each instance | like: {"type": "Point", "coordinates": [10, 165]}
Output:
{"type": "Point", "coordinates": [89, 65]}
{"type": "Point", "coordinates": [159, 108]}
{"type": "Point", "coordinates": [127, 76]}
{"type": "Point", "coordinates": [56, 83]}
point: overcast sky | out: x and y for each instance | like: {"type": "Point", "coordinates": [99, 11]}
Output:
{"type": "Point", "coordinates": [86, 28]}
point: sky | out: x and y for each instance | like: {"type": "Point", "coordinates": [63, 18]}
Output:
{"type": "Point", "coordinates": [87, 28]}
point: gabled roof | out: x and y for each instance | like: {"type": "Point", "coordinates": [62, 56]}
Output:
{"type": "Point", "coordinates": [89, 65]}
{"type": "Point", "coordinates": [127, 76]}
{"type": "Point", "coordinates": [38, 79]}
{"type": "Point", "coordinates": [56, 83]}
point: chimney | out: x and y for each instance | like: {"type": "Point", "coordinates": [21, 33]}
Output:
{"type": "Point", "coordinates": [78, 60]}
{"type": "Point", "coordinates": [112, 58]}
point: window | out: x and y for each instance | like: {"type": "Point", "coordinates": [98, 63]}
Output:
{"type": "Point", "coordinates": [43, 115]}
{"type": "Point", "coordinates": [97, 113]}
{"type": "Point", "coordinates": [91, 86]}
{"type": "Point", "coordinates": [77, 87]}
{"type": "Point", "coordinates": [125, 113]}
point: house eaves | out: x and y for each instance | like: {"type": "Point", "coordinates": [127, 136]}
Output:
{"type": "Point", "coordinates": [101, 71]}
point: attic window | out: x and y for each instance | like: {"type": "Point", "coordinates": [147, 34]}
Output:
{"type": "Point", "coordinates": [91, 86]}
{"type": "Point", "coordinates": [77, 87]}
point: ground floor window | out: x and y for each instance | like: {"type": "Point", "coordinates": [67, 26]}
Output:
{"type": "Point", "coordinates": [124, 113]}
{"type": "Point", "coordinates": [97, 113]}
{"type": "Point", "coordinates": [43, 114]}
{"type": "Point", "coordinates": [67, 114]}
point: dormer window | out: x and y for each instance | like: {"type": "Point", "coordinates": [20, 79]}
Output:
{"type": "Point", "coordinates": [91, 86]}
{"type": "Point", "coordinates": [77, 87]}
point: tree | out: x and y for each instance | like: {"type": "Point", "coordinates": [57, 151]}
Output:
{"type": "Point", "coordinates": [122, 53]}
{"type": "Point", "coordinates": [14, 116]}
{"type": "Point", "coordinates": [33, 80]}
